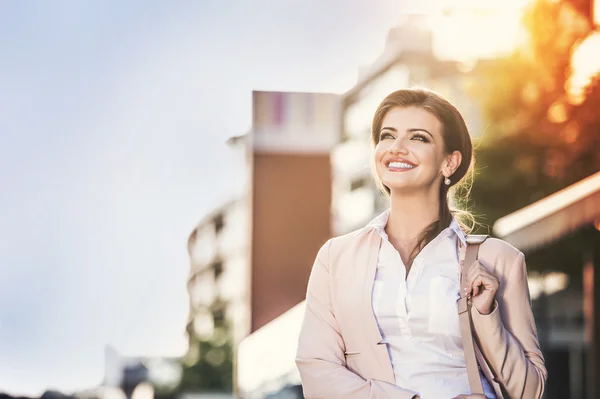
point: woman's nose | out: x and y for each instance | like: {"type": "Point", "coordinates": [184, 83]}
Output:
{"type": "Point", "coordinates": [398, 147]}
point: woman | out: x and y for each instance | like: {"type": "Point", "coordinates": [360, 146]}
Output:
{"type": "Point", "coordinates": [381, 319]}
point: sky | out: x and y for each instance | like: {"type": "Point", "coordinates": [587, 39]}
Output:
{"type": "Point", "coordinates": [113, 121]}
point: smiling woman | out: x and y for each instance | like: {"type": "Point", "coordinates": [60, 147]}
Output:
{"type": "Point", "coordinates": [381, 316]}
{"type": "Point", "coordinates": [430, 137]}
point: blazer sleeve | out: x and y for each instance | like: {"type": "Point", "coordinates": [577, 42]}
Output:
{"type": "Point", "coordinates": [508, 338]}
{"type": "Point", "coordinates": [320, 354]}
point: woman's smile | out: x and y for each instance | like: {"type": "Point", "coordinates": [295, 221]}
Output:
{"type": "Point", "coordinates": [399, 165]}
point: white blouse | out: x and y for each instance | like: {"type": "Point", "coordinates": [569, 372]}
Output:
{"type": "Point", "coordinates": [418, 318]}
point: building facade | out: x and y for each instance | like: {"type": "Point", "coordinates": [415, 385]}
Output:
{"type": "Point", "coordinates": [251, 258]}
{"type": "Point", "coordinates": [218, 281]}
{"type": "Point", "coordinates": [562, 232]}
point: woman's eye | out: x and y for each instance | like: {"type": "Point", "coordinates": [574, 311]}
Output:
{"type": "Point", "coordinates": [420, 137]}
{"type": "Point", "coordinates": [386, 136]}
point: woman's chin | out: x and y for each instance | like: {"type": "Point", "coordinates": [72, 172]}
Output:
{"type": "Point", "coordinates": [399, 183]}
{"type": "Point", "coordinates": [405, 187]}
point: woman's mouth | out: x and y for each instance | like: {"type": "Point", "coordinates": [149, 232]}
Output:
{"type": "Point", "coordinates": [397, 166]}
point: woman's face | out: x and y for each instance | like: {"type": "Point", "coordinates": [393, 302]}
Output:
{"type": "Point", "coordinates": [410, 153]}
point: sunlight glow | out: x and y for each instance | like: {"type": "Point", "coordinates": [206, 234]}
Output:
{"type": "Point", "coordinates": [465, 30]}
{"type": "Point", "coordinates": [548, 283]}
{"type": "Point", "coordinates": [557, 113]}
{"type": "Point", "coordinates": [586, 64]}
{"type": "Point", "coordinates": [555, 282]}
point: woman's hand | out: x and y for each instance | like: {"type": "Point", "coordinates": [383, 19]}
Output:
{"type": "Point", "coordinates": [482, 286]}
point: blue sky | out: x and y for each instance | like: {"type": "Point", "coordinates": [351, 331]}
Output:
{"type": "Point", "coordinates": [113, 117]}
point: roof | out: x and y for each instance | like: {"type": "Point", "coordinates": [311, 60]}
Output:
{"type": "Point", "coordinates": [552, 217]}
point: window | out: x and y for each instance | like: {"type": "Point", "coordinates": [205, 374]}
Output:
{"type": "Point", "coordinates": [358, 183]}
{"type": "Point", "coordinates": [344, 136]}
{"type": "Point", "coordinates": [218, 269]}
{"type": "Point", "coordinates": [219, 223]}
{"type": "Point", "coordinates": [203, 247]}
{"type": "Point", "coordinates": [203, 290]}
{"type": "Point", "coordinates": [219, 317]}
{"type": "Point", "coordinates": [232, 283]}
{"type": "Point", "coordinates": [234, 235]}
{"type": "Point", "coordinates": [203, 325]}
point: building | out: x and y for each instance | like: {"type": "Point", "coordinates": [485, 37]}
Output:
{"type": "Point", "coordinates": [290, 190]}
{"type": "Point", "coordinates": [218, 288]}
{"type": "Point", "coordinates": [134, 376]}
{"type": "Point", "coordinates": [250, 258]}
{"type": "Point", "coordinates": [561, 231]}
{"type": "Point", "coordinates": [217, 285]}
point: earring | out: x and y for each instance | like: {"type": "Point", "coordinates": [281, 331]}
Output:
{"type": "Point", "coordinates": [447, 181]}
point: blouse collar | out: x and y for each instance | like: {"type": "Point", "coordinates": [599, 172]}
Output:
{"type": "Point", "coordinates": [381, 220]}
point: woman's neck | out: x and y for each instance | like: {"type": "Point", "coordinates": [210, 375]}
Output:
{"type": "Point", "coordinates": [410, 215]}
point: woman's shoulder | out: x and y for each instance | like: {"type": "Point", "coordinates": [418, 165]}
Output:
{"type": "Point", "coordinates": [499, 253]}
{"type": "Point", "coordinates": [344, 241]}
{"type": "Point", "coordinates": [499, 247]}
{"type": "Point", "coordinates": [344, 245]}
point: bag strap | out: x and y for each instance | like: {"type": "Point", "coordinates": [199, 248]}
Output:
{"type": "Point", "coordinates": [464, 314]}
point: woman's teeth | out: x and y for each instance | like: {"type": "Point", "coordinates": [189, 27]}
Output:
{"type": "Point", "coordinates": [400, 165]}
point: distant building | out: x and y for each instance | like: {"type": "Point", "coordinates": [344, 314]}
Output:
{"type": "Point", "coordinates": [126, 372]}
{"type": "Point", "coordinates": [251, 258]}
{"type": "Point", "coordinates": [561, 232]}
{"type": "Point", "coordinates": [218, 282]}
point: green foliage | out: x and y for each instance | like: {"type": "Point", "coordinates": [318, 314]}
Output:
{"type": "Point", "coordinates": [214, 370]}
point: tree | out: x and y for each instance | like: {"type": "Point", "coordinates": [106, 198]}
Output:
{"type": "Point", "coordinates": [542, 134]}
{"type": "Point", "coordinates": [213, 372]}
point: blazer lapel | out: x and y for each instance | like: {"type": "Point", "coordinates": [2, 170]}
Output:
{"type": "Point", "coordinates": [371, 255]}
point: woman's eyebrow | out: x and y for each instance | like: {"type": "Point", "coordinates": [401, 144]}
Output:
{"type": "Point", "coordinates": [411, 130]}
{"type": "Point", "coordinates": [419, 130]}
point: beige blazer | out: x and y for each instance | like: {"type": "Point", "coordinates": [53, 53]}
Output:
{"type": "Point", "coordinates": [340, 354]}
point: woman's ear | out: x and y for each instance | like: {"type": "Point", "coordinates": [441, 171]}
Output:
{"type": "Point", "coordinates": [452, 163]}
